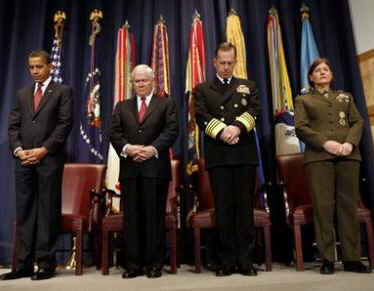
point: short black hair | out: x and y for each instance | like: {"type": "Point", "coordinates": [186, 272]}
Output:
{"type": "Point", "coordinates": [225, 46]}
{"type": "Point", "coordinates": [40, 54]}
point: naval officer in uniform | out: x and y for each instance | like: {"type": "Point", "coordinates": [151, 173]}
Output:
{"type": "Point", "coordinates": [226, 110]}
{"type": "Point", "coordinates": [328, 122]}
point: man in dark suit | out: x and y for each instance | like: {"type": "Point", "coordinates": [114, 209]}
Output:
{"type": "Point", "coordinates": [226, 109]}
{"type": "Point", "coordinates": [142, 131]}
{"type": "Point", "coordinates": [39, 125]}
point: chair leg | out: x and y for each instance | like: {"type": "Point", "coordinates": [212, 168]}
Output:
{"type": "Point", "coordinates": [14, 251]}
{"type": "Point", "coordinates": [370, 238]}
{"type": "Point", "coordinates": [268, 255]}
{"type": "Point", "coordinates": [105, 253]}
{"type": "Point", "coordinates": [79, 253]}
{"type": "Point", "coordinates": [197, 250]}
{"type": "Point", "coordinates": [298, 248]}
{"type": "Point", "coordinates": [173, 250]}
{"type": "Point", "coordinates": [97, 249]}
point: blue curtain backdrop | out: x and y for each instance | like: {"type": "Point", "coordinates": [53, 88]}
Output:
{"type": "Point", "coordinates": [28, 25]}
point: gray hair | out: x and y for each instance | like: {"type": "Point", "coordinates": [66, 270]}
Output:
{"type": "Point", "coordinates": [143, 68]}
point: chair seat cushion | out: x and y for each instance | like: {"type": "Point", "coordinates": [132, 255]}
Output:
{"type": "Point", "coordinates": [363, 214]}
{"type": "Point", "coordinates": [73, 222]}
{"type": "Point", "coordinates": [261, 217]}
{"type": "Point", "coordinates": [204, 219]}
{"type": "Point", "coordinates": [170, 221]}
{"type": "Point", "coordinates": [113, 223]}
{"type": "Point", "coordinates": [303, 214]}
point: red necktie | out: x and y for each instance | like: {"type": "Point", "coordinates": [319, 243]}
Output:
{"type": "Point", "coordinates": [38, 96]}
{"type": "Point", "coordinates": [143, 110]}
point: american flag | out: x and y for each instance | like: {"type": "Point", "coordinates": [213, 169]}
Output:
{"type": "Point", "coordinates": [56, 60]}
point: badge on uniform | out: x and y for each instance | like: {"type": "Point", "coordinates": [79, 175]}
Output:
{"type": "Point", "coordinates": [342, 118]}
{"type": "Point", "coordinates": [342, 98]}
{"type": "Point", "coordinates": [243, 89]}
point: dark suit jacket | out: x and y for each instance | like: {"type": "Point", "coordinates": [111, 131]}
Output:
{"type": "Point", "coordinates": [211, 103]}
{"type": "Point", "coordinates": [49, 126]}
{"type": "Point", "coordinates": [319, 118]}
{"type": "Point", "coordinates": [159, 129]}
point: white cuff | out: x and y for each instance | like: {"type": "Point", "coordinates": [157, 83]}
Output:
{"type": "Point", "coordinates": [17, 150]}
{"type": "Point", "coordinates": [123, 153]}
{"type": "Point", "coordinates": [155, 151]}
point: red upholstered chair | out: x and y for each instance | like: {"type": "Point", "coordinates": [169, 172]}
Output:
{"type": "Point", "coordinates": [81, 194]}
{"type": "Point", "coordinates": [82, 209]}
{"type": "Point", "coordinates": [293, 177]}
{"type": "Point", "coordinates": [114, 223]}
{"type": "Point", "coordinates": [204, 216]}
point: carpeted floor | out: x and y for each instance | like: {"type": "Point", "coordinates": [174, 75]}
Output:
{"type": "Point", "coordinates": [282, 278]}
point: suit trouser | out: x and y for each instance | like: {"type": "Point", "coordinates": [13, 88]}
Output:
{"type": "Point", "coordinates": [144, 219]}
{"type": "Point", "coordinates": [38, 207]}
{"type": "Point", "coordinates": [233, 188]}
{"type": "Point", "coordinates": [335, 191]}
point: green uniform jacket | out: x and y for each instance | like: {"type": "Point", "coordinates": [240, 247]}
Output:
{"type": "Point", "coordinates": [329, 116]}
{"type": "Point", "coordinates": [214, 110]}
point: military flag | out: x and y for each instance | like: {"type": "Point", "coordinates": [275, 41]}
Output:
{"type": "Point", "coordinates": [195, 74]}
{"type": "Point", "coordinates": [160, 58]}
{"type": "Point", "coordinates": [91, 149]}
{"type": "Point", "coordinates": [124, 63]}
{"type": "Point", "coordinates": [309, 50]}
{"type": "Point", "coordinates": [59, 19]}
{"type": "Point", "coordinates": [285, 137]}
{"type": "Point", "coordinates": [234, 35]}
{"type": "Point", "coordinates": [160, 61]}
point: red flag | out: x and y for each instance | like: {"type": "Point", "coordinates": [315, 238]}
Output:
{"type": "Point", "coordinates": [195, 74]}
{"type": "Point", "coordinates": [125, 61]}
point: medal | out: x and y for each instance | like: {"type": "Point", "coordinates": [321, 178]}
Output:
{"type": "Point", "coordinates": [243, 89]}
{"type": "Point", "coordinates": [342, 118]}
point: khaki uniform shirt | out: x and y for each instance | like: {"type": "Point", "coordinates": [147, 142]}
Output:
{"type": "Point", "coordinates": [329, 116]}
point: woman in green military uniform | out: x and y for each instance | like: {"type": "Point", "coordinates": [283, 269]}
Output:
{"type": "Point", "coordinates": [328, 122]}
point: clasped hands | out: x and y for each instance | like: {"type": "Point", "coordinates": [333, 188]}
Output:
{"type": "Point", "coordinates": [230, 134]}
{"type": "Point", "coordinates": [338, 149]}
{"type": "Point", "coordinates": [31, 156]}
{"type": "Point", "coordinates": [141, 153]}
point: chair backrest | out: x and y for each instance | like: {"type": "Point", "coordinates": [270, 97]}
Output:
{"type": "Point", "coordinates": [203, 190]}
{"type": "Point", "coordinates": [77, 182]}
{"type": "Point", "coordinates": [293, 176]}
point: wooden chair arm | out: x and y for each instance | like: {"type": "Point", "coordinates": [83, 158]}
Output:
{"type": "Point", "coordinates": [194, 209]}
{"type": "Point", "coordinates": [96, 208]}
